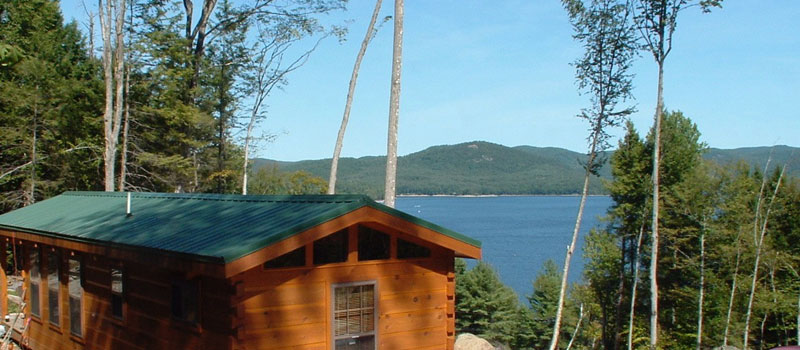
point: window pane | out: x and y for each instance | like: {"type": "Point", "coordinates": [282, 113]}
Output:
{"type": "Point", "coordinates": [331, 249]}
{"type": "Point", "coordinates": [364, 342]}
{"type": "Point", "coordinates": [372, 244]}
{"type": "Point", "coordinates": [36, 278]}
{"type": "Point", "coordinates": [75, 297]}
{"type": "Point", "coordinates": [408, 250]}
{"type": "Point", "coordinates": [295, 258]}
{"type": "Point", "coordinates": [354, 317]}
{"type": "Point", "coordinates": [53, 286]}
{"type": "Point", "coordinates": [116, 281]}
{"type": "Point", "coordinates": [117, 289]}
{"type": "Point", "coordinates": [185, 301]}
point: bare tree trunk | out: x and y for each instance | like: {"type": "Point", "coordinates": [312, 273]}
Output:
{"type": "Point", "coordinates": [112, 116]}
{"type": "Point", "coordinates": [32, 194]}
{"type": "Point", "coordinates": [759, 245]}
{"type": "Point", "coordinates": [577, 327]}
{"type": "Point", "coordinates": [123, 161]}
{"type": "Point", "coordinates": [702, 287]}
{"type": "Point", "coordinates": [394, 107]}
{"type": "Point", "coordinates": [654, 232]}
{"type": "Point", "coordinates": [571, 248]}
{"type": "Point", "coordinates": [633, 288]}
{"type": "Point", "coordinates": [108, 114]}
{"type": "Point", "coordinates": [733, 290]}
{"type": "Point", "coordinates": [337, 150]}
{"type": "Point", "coordinates": [620, 292]}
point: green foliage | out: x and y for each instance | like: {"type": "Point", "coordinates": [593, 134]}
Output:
{"type": "Point", "coordinates": [544, 302]}
{"type": "Point", "coordinates": [484, 305]}
{"type": "Point", "coordinates": [270, 180]}
{"type": "Point", "coordinates": [49, 105]}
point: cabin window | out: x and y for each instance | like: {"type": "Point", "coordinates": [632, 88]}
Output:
{"type": "Point", "coordinates": [185, 301]}
{"type": "Point", "coordinates": [372, 244]}
{"type": "Point", "coordinates": [331, 249]}
{"type": "Point", "coordinates": [75, 286]}
{"type": "Point", "coordinates": [53, 287]}
{"type": "Point", "coordinates": [408, 250]}
{"type": "Point", "coordinates": [354, 316]}
{"type": "Point", "coordinates": [36, 281]}
{"type": "Point", "coordinates": [117, 293]}
{"type": "Point", "coordinates": [295, 258]}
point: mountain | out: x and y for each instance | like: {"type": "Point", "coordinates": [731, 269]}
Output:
{"type": "Point", "coordinates": [484, 168]}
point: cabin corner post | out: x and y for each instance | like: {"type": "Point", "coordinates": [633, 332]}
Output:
{"type": "Point", "coordinates": [451, 301]}
{"type": "Point", "coordinates": [3, 278]}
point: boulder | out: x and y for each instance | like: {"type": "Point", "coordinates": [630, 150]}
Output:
{"type": "Point", "coordinates": [468, 341]}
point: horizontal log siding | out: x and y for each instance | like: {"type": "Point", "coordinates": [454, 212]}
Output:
{"type": "Point", "coordinates": [148, 324]}
{"type": "Point", "coordinates": [291, 308]}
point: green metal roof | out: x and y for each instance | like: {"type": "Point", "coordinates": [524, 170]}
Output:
{"type": "Point", "coordinates": [209, 227]}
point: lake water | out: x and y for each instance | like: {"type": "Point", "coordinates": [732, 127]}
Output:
{"type": "Point", "coordinates": [518, 233]}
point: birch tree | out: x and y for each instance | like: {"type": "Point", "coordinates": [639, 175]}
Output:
{"type": "Point", "coordinates": [603, 27]}
{"type": "Point", "coordinates": [273, 61]}
{"type": "Point", "coordinates": [760, 230]}
{"type": "Point", "coordinates": [337, 150]}
{"type": "Point", "coordinates": [112, 11]}
{"type": "Point", "coordinates": [394, 106]}
{"type": "Point", "coordinates": [656, 21]}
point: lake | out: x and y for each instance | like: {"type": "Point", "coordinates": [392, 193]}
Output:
{"type": "Point", "coordinates": [518, 233]}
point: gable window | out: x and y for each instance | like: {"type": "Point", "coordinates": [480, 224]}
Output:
{"type": "Point", "coordinates": [117, 293]}
{"type": "Point", "coordinates": [36, 281]}
{"type": "Point", "coordinates": [75, 286]}
{"type": "Point", "coordinates": [331, 249]}
{"type": "Point", "coordinates": [354, 316]}
{"type": "Point", "coordinates": [53, 287]}
{"type": "Point", "coordinates": [372, 244]}
{"type": "Point", "coordinates": [295, 258]}
{"type": "Point", "coordinates": [408, 250]}
{"type": "Point", "coordinates": [185, 301]}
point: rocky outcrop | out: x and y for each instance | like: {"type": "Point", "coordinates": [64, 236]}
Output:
{"type": "Point", "coordinates": [468, 341]}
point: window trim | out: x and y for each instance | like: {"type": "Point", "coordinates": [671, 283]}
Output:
{"type": "Point", "coordinates": [36, 312]}
{"type": "Point", "coordinates": [80, 281]}
{"type": "Point", "coordinates": [375, 311]}
{"type": "Point", "coordinates": [183, 283]}
{"type": "Point", "coordinates": [121, 294]}
{"type": "Point", "coordinates": [54, 254]}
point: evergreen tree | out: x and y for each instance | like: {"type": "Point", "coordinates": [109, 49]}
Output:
{"type": "Point", "coordinates": [484, 305]}
{"type": "Point", "coordinates": [49, 131]}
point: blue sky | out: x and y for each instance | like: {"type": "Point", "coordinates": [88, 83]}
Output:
{"type": "Point", "coordinates": [499, 71]}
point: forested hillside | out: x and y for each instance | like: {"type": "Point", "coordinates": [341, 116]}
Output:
{"type": "Point", "coordinates": [479, 168]}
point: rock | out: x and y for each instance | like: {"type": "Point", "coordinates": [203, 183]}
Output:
{"type": "Point", "coordinates": [468, 341]}
{"type": "Point", "coordinates": [726, 347]}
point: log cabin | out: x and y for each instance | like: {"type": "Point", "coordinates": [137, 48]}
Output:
{"type": "Point", "coordinates": [105, 270]}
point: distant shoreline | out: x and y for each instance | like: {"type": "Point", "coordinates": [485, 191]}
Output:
{"type": "Point", "coordinates": [496, 195]}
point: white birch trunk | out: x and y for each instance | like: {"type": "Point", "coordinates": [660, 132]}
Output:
{"type": "Point", "coordinates": [633, 288]}
{"type": "Point", "coordinates": [577, 328]}
{"type": "Point", "coordinates": [337, 150]}
{"type": "Point", "coordinates": [656, 198]}
{"type": "Point", "coordinates": [733, 290]}
{"type": "Point", "coordinates": [759, 245]}
{"type": "Point", "coordinates": [394, 107]}
{"type": "Point", "coordinates": [571, 248]}
{"type": "Point", "coordinates": [702, 288]}
{"type": "Point", "coordinates": [113, 68]}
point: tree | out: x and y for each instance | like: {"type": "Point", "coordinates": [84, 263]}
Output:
{"type": "Point", "coordinates": [271, 65]}
{"type": "Point", "coordinates": [608, 40]}
{"type": "Point", "coordinates": [113, 75]}
{"type": "Point", "coordinates": [484, 305]}
{"type": "Point", "coordinates": [337, 150]}
{"type": "Point", "coordinates": [49, 132]}
{"type": "Point", "coordinates": [656, 21]}
{"type": "Point", "coordinates": [394, 106]}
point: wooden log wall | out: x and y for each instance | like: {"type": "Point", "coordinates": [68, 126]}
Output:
{"type": "Point", "coordinates": [291, 307]}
